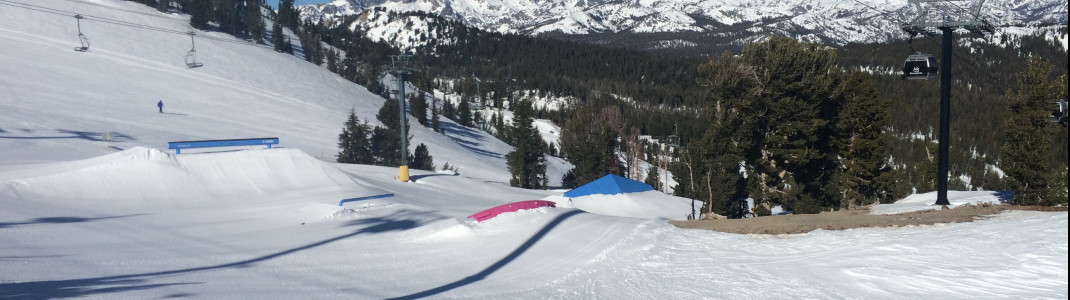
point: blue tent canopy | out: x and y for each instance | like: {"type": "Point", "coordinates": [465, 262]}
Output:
{"type": "Point", "coordinates": [609, 185]}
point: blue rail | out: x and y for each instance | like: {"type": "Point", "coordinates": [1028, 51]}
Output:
{"type": "Point", "coordinates": [365, 198]}
{"type": "Point", "coordinates": [178, 146]}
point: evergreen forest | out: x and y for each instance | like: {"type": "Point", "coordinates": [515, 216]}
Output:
{"type": "Point", "coordinates": [809, 127]}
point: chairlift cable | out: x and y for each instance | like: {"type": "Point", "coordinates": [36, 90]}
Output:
{"type": "Point", "coordinates": [883, 13]}
{"type": "Point", "coordinates": [933, 40]}
{"type": "Point", "coordinates": [118, 9]}
{"type": "Point", "coordinates": [119, 22]}
{"type": "Point", "coordinates": [976, 67]}
{"type": "Point", "coordinates": [962, 9]}
{"type": "Point", "coordinates": [37, 8]}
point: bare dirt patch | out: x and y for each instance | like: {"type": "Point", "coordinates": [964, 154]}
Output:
{"type": "Point", "coordinates": [847, 219]}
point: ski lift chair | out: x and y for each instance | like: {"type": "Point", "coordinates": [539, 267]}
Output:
{"type": "Point", "coordinates": [920, 66]}
{"type": "Point", "coordinates": [475, 105]}
{"type": "Point", "coordinates": [191, 56]}
{"type": "Point", "coordinates": [81, 37]}
{"type": "Point", "coordinates": [595, 129]}
{"type": "Point", "coordinates": [1059, 114]}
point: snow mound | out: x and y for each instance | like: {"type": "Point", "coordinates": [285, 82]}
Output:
{"type": "Point", "coordinates": [646, 205]}
{"type": "Point", "coordinates": [150, 176]}
{"type": "Point", "coordinates": [919, 202]}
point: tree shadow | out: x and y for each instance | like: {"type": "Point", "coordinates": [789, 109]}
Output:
{"type": "Point", "coordinates": [77, 288]}
{"type": "Point", "coordinates": [84, 287]}
{"type": "Point", "coordinates": [59, 220]}
{"type": "Point", "coordinates": [29, 257]}
{"type": "Point", "coordinates": [74, 134]}
{"type": "Point", "coordinates": [497, 265]}
{"type": "Point", "coordinates": [1004, 196]}
{"type": "Point", "coordinates": [463, 136]}
{"type": "Point", "coordinates": [415, 178]}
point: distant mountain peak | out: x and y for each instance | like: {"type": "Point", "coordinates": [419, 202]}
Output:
{"type": "Point", "coordinates": [825, 21]}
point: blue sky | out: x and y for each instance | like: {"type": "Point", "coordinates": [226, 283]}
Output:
{"type": "Point", "coordinates": [275, 3]}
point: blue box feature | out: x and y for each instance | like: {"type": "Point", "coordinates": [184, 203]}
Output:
{"type": "Point", "coordinates": [178, 146]}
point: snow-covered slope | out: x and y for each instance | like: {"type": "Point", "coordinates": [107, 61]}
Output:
{"type": "Point", "coordinates": [828, 21]}
{"type": "Point", "coordinates": [127, 219]}
{"type": "Point", "coordinates": [58, 103]}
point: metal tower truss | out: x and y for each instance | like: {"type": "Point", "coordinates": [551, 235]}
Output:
{"type": "Point", "coordinates": [954, 14]}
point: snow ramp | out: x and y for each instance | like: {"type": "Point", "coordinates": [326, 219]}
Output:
{"type": "Point", "coordinates": [646, 205]}
{"type": "Point", "coordinates": [143, 176]}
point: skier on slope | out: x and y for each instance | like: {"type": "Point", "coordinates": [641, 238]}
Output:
{"type": "Point", "coordinates": [160, 105]}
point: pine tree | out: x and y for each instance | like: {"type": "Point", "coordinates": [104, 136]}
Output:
{"type": "Point", "coordinates": [449, 111]}
{"type": "Point", "coordinates": [435, 124]}
{"type": "Point", "coordinates": [588, 144]}
{"type": "Point", "coordinates": [254, 24]}
{"type": "Point", "coordinates": [925, 171]}
{"type": "Point", "coordinates": [794, 151]}
{"type": "Point", "coordinates": [1029, 134]}
{"type": "Point", "coordinates": [653, 178]}
{"type": "Point", "coordinates": [1059, 187]}
{"type": "Point", "coordinates": [867, 178]}
{"type": "Point", "coordinates": [288, 16]}
{"type": "Point", "coordinates": [710, 168]}
{"type": "Point", "coordinates": [200, 12]}
{"type": "Point", "coordinates": [354, 146]}
{"type": "Point", "coordinates": [568, 180]}
{"type": "Point", "coordinates": [278, 39]}
{"type": "Point", "coordinates": [418, 107]}
{"type": "Point", "coordinates": [386, 140]}
{"type": "Point", "coordinates": [464, 113]}
{"type": "Point", "coordinates": [310, 45]}
{"type": "Point", "coordinates": [527, 162]}
{"type": "Point", "coordinates": [332, 61]}
{"type": "Point", "coordinates": [499, 126]}
{"type": "Point", "coordinates": [229, 14]}
{"type": "Point", "coordinates": [422, 160]}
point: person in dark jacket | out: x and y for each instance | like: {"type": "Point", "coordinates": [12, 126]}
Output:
{"type": "Point", "coordinates": [160, 105]}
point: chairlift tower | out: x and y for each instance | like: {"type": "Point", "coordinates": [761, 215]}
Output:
{"type": "Point", "coordinates": [399, 67]}
{"type": "Point", "coordinates": [946, 16]}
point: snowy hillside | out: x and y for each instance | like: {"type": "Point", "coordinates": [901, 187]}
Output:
{"type": "Point", "coordinates": [828, 21]}
{"type": "Point", "coordinates": [243, 91]}
{"type": "Point", "coordinates": [125, 218]}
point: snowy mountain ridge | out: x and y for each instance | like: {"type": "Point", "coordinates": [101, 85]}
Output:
{"type": "Point", "coordinates": [826, 21]}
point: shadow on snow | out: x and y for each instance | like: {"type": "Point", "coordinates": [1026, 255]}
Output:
{"type": "Point", "coordinates": [463, 136]}
{"type": "Point", "coordinates": [73, 134]}
{"type": "Point", "coordinates": [400, 221]}
{"type": "Point", "coordinates": [497, 265]}
{"type": "Point", "coordinates": [58, 220]}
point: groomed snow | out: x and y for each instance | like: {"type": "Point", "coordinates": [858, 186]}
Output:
{"type": "Point", "coordinates": [649, 205]}
{"type": "Point", "coordinates": [81, 217]}
{"type": "Point", "coordinates": [926, 201]}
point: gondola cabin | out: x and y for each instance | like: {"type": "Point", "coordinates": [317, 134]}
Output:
{"type": "Point", "coordinates": [920, 66]}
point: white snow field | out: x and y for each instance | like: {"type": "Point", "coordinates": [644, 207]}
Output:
{"type": "Point", "coordinates": [129, 219]}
